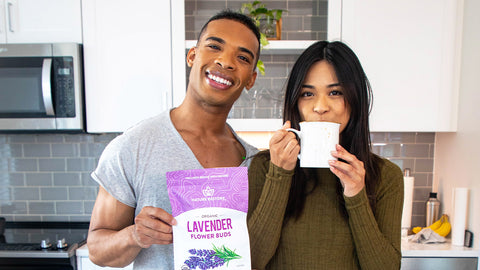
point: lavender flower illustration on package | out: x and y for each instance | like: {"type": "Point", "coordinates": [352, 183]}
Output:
{"type": "Point", "coordinates": [210, 206]}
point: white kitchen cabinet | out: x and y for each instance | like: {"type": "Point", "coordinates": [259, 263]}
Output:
{"type": "Point", "coordinates": [410, 52]}
{"type": "Point", "coordinates": [133, 57]}
{"type": "Point", "coordinates": [40, 21]}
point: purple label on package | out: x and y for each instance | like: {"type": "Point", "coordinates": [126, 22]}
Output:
{"type": "Point", "coordinates": [220, 187]}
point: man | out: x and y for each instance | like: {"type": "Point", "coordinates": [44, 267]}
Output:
{"type": "Point", "coordinates": [131, 219]}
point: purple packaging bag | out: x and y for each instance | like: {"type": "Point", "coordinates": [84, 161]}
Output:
{"type": "Point", "coordinates": [210, 206]}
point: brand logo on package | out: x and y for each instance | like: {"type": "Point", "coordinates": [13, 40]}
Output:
{"type": "Point", "coordinates": [208, 192]}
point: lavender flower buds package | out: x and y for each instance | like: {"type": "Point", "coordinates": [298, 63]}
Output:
{"type": "Point", "coordinates": [210, 206]}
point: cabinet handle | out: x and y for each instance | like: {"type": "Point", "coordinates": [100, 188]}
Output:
{"type": "Point", "coordinates": [9, 14]}
{"type": "Point", "coordinates": [47, 86]}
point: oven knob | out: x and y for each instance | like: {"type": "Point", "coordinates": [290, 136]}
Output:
{"type": "Point", "coordinates": [61, 243]}
{"type": "Point", "coordinates": [44, 244]}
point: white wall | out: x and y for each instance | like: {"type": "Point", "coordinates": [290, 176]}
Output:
{"type": "Point", "coordinates": [457, 155]}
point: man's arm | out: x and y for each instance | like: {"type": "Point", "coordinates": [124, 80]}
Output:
{"type": "Point", "coordinates": [116, 236]}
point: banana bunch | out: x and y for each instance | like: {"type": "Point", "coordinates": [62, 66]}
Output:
{"type": "Point", "coordinates": [442, 226]}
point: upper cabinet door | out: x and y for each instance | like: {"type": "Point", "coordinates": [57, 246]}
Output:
{"type": "Point", "coordinates": [128, 61]}
{"type": "Point", "coordinates": [41, 21]}
{"type": "Point", "coordinates": [410, 52]}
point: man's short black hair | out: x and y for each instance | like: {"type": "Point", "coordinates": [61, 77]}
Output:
{"type": "Point", "coordinates": [234, 16]}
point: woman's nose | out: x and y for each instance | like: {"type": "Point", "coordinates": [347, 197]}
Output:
{"type": "Point", "coordinates": [321, 104]}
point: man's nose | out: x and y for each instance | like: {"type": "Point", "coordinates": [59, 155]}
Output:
{"type": "Point", "coordinates": [225, 61]}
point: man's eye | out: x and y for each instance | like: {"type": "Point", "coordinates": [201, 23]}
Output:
{"type": "Point", "coordinates": [244, 58]}
{"type": "Point", "coordinates": [213, 46]}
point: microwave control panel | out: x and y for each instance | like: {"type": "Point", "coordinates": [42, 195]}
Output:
{"type": "Point", "coordinates": [64, 97]}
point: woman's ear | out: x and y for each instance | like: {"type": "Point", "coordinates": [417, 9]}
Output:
{"type": "Point", "coordinates": [191, 56]}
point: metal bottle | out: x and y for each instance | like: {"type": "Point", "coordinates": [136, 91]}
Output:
{"type": "Point", "coordinates": [433, 208]}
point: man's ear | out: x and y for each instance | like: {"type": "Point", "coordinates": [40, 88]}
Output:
{"type": "Point", "coordinates": [191, 56]}
{"type": "Point", "coordinates": [252, 80]}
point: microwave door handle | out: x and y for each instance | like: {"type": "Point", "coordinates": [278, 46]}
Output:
{"type": "Point", "coordinates": [47, 86]}
{"type": "Point", "coordinates": [9, 14]}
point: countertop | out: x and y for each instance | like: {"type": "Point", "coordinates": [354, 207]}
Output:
{"type": "Point", "coordinates": [409, 249]}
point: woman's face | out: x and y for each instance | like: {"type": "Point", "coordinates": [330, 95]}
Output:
{"type": "Point", "coordinates": [321, 96]}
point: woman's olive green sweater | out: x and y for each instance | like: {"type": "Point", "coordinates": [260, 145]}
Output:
{"type": "Point", "coordinates": [330, 233]}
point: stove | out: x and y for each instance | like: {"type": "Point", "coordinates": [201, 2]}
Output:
{"type": "Point", "coordinates": [40, 245]}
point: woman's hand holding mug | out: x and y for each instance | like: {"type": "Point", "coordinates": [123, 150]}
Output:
{"type": "Point", "coordinates": [284, 148]}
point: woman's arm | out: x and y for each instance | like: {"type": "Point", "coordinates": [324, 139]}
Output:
{"type": "Point", "coordinates": [270, 176]}
{"type": "Point", "coordinates": [377, 236]}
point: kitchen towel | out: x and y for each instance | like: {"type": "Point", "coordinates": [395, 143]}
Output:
{"type": "Point", "coordinates": [460, 196]}
{"type": "Point", "coordinates": [408, 183]}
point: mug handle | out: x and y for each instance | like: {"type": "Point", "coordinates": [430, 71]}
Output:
{"type": "Point", "coordinates": [299, 134]}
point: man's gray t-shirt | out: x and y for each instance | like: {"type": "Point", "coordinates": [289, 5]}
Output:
{"type": "Point", "coordinates": [132, 169]}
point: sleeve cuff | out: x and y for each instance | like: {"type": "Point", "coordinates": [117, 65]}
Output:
{"type": "Point", "coordinates": [357, 200]}
{"type": "Point", "coordinates": [278, 172]}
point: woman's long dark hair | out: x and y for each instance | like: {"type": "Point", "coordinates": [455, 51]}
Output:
{"type": "Point", "coordinates": [355, 138]}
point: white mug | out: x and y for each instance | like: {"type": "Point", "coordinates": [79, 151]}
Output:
{"type": "Point", "coordinates": [317, 140]}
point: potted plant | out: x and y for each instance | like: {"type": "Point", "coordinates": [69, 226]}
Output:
{"type": "Point", "coordinates": [269, 21]}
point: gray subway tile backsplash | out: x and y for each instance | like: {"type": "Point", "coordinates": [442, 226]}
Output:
{"type": "Point", "coordinates": [41, 207]}
{"type": "Point", "coordinates": [66, 192]}
{"type": "Point", "coordinates": [51, 165]}
{"type": "Point", "coordinates": [36, 150]}
{"type": "Point", "coordinates": [16, 208]}
{"type": "Point", "coordinates": [39, 179]}
{"type": "Point", "coordinates": [67, 179]}
{"type": "Point", "coordinates": [15, 179]}
{"type": "Point", "coordinates": [20, 164]}
{"type": "Point", "coordinates": [81, 164]}
{"type": "Point", "coordinates": [25, 193]}
{"type": "Point", "coordinates": [64, 150]}
{"type": "Point", "coordinates": [69, 207]}
{"type": "Point", "coordinates": [87, 193]}
{"type": "Point", "coordinates": [53, 193]}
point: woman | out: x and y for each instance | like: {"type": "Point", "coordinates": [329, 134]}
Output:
{"type": "Point", "coordinates": [347, 216]}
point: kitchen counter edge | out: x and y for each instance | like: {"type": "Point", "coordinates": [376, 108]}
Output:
{"type": "Point", "coordinates": [411, 249]}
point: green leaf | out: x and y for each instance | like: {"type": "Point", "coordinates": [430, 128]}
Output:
{"type": "Point", "coordinates": [226, 254]}
{"type": "Point", "coordinates": [263, 40]}
{"type": "Point", "coordinates": [278, 14]}
{"type": "Point", "coordinates": [256, 3]}
{"type": "Point", "coordinates": [261, 67]}
{"type": "Point", "coordinates": [260, 10]}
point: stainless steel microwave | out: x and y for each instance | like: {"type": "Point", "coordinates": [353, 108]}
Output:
{"type": "Point", "coordinates": [41, 87]}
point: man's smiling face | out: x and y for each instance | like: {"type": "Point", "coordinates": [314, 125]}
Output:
{"type": "Point", "coordinates": [223, 62]}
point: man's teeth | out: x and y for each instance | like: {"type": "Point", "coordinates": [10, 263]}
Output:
{"type": "Point", "coordinates": [219, 80]}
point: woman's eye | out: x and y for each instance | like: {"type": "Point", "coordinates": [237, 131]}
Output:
{"type": "Point", "coordinates": [336, 93]}
{"type": "Point", "coordinates": [306, 94]}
